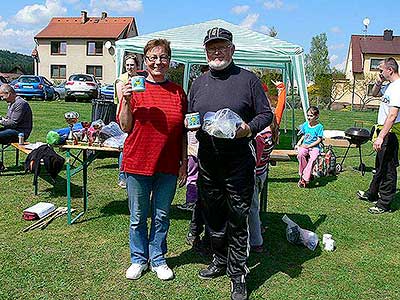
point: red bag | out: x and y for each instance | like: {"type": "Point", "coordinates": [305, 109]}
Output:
{"type": "Point", "coordinates": [29, 216]}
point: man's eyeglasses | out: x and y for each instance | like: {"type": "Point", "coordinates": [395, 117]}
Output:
{"type": "Point", "coordinates": [310, 116]}
{"type": "Point", "coordinates": [213, 50]}
{"type": "Point", "coordinates": [154, 58]}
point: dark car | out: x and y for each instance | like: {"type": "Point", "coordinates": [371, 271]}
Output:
{"type": "Point", "coordinates": [30, 86]}
{"type": "Point", "coordinates": [107, 92]}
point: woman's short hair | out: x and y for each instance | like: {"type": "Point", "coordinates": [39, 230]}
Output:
{"type": "Point", "coordinates": [158, 42]}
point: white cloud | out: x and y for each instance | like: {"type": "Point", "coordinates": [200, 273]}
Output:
{"type": "Point", "coordinates": [240, 9]}
{"type": "Point", "coordinates": [336, 29]}
{"type": "Point", "coordinates": [273, 4]}
{"type": "Point", "coordinates": [122, 6]}
{"type": "Point", "coordinates": [250, 20]}
{"type": "Point", "coordinates": [18, 40]}
{"type": "Point", "coordinates": [38, 13]}
{"type": "Point", "coordinates": [333, 58]}
{"type": "Point", "coordinates": [336, 46]}
{"type": "Point", "coordinates": [264, 29]}
{"type": "Point", "coordinates": [340, 66]}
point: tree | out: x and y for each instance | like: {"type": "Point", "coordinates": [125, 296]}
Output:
{"type": "Point", "coordinates": [362, 90]}
{"type": "Point", "coordinates": [317, 62]}
{"type": "Point", "coordinates": [340, 88]}
{"type": "Point", "coordinates": [273, 32]}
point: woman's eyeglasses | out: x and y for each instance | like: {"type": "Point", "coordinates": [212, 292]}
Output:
{"type": "Point", "coordinates": [154, 58]}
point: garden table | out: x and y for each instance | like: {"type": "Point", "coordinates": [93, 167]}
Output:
{"type": "Point", "coordinates": [85, 156]}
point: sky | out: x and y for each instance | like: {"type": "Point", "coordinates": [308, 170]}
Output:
{"type": "Point", "coordinates": [296, 21]}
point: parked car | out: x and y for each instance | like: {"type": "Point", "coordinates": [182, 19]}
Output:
{"type": "Point", "coordinates": [82, 86]}
{"type": "Point", "coordinates": [107, 92]}
{"type": "Point", "coordinates": [31, 86]}
{"type": "Point", "coordinates": [60, 91]}
{"type": "Point", "coordinates": [13, 82]}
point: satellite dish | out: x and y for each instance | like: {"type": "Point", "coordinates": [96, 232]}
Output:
{"type": "Point", "coordinates": [108, 45]}
{"type": "Point", "coordinates": [366, 22]}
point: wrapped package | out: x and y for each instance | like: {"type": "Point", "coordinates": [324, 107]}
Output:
{"type": "Point", "coordinates": [222, 124]}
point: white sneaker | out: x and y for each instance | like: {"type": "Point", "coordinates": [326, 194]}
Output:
{"type": "Point", "coordinates": [163, 272]}
{"type": "Point", "coordinates": [122, 184]}
{"type": "Point", "coordinates": [135, 271]}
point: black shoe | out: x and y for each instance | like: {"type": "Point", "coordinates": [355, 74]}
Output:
{"type": "Point", "coordinates": [186, 206]}
{"type": "Point", "coordinates": [2, 167]}
{"type": "Point", "coordinates": [364, 196]}
{"type": "Point", "coordinates": [238, 289]}
{"type": "Point", "coordinates": [212, 271]}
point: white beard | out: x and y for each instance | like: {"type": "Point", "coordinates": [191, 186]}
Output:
{"type": "Point", "coordinates": [220, 65]}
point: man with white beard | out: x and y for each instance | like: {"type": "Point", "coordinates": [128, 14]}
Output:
{"type": "Point", "coordinates": [226, 166]}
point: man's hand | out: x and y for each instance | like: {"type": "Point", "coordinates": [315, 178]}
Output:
{"type": "Point", "coordinates": [378, 144]}
{"type": "Point", "coordinates": [243, 131]}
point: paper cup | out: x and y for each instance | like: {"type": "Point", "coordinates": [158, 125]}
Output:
{"type": "Point", "coordinates": [326, 237]}
{"type": "Point", "coordinates": [138, 83]}
{"type": "Point", "coordinates": [193, 120]}
{"type": "Point", "coordinates": [330, 245]}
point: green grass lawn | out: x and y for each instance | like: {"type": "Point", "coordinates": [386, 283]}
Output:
{"type": "Point", "coordinates": [88, 260]}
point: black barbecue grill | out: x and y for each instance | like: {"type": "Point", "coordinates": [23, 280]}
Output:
{"type": "Point", "coordinates": [356, 136]}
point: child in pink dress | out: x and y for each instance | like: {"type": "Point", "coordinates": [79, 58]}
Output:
{"type": "Point", "coordinates": [309, 145]}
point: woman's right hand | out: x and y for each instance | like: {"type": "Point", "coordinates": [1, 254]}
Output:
{"type": "Point", "coordinates": [127, 92]}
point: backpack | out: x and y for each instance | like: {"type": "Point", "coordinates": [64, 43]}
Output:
{"type": "Point", "coordinates": [51, 161]}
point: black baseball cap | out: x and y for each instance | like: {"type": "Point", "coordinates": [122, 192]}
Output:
{"type": "Point", "coordinates": [217, 33]}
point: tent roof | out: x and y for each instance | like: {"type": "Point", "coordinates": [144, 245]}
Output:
{"type": "Point", "coordinates": [252, 48]}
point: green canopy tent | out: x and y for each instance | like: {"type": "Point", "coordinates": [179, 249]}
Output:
{"type": "Point", "coordinates": [252, 49]}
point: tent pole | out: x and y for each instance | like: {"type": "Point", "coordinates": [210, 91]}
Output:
{"type": "Point", "coordinates": [293, 105]}
{"type": "Point", "coordinates": [186, 74]}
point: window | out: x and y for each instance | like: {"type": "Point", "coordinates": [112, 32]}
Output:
{"type": "Point", "coordinates": [58, 48]}
{"type": "Point", "coordinates": [374, 64]}
{"type": "Point", "coordinates": [97, 71]}
{"type": "Point", "coordinates": [58, 71]}
{"type": "Point", "coordinates": [94, 48]}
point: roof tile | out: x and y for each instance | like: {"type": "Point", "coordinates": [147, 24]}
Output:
{"type": "Point", "coordinates": [371, 44]}
{"type": "Point", "coordinates": [110, 27]}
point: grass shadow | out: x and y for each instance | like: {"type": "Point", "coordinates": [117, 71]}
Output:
{"type": "Point", "coordinates": [281, 256]}
{"type": "Point", "coordinates": [395, 205]}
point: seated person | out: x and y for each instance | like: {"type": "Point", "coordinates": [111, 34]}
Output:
{"type": "Point", "coordinates": [18, 118]}
{"type": "Point", "coordinates": [309, 145]}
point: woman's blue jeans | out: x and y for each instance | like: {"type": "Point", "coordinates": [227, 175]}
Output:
{"type": "Point", "coordinates": [155, 194]}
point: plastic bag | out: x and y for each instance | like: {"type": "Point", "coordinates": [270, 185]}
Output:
{"type": "Point", "coordinates": [222, 124]}
{"type": "Point", "coordinates": [111, 130]}
{"type": "Point", "coordinates": [299, 236]}
{"type": "Point", "coordinates": [116, 141]}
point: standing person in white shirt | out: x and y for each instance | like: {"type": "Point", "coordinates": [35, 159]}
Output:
{"type": "Point", "coordinates": [382, 188]}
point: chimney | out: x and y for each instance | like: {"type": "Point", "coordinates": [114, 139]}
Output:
{"type": "Point", "coordinates": [84, 17]}
{"type": "Point", "coordinates": [103, 15]}
{"type": "Point", "coordinates": [388, 35]}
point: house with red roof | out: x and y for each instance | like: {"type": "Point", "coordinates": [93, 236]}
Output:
{"type": "Point", "coordinates": [69, 45]}
{"type": "Point", "coordinates": [363, 57]}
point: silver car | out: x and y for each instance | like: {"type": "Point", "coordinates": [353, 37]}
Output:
{"type": "Point", "coordinates": [82, 87]}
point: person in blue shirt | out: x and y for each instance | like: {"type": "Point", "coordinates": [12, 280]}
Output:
{"type": "Point", "coordinates": [309, 145]}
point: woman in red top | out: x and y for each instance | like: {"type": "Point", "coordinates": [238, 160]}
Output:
{"type": "Point", "coordinates": [154, 158]}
